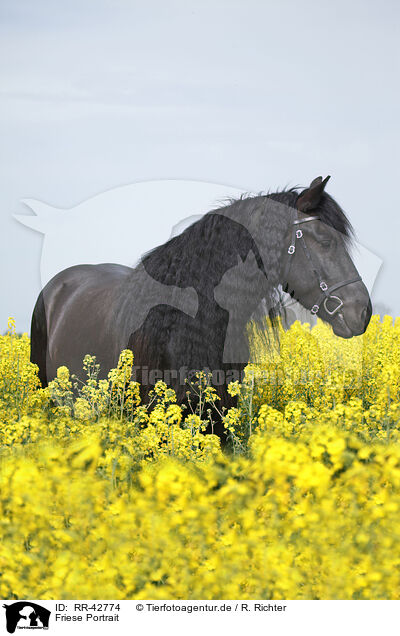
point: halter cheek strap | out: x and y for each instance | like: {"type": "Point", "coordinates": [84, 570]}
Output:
{"type": "Point", "coordinates": [326, 291]}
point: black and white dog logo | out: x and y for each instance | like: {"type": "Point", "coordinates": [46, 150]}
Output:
{"type": "Point", "coordinates": [26, 615]}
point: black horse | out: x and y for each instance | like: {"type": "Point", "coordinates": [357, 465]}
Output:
{"type": "Point", "coordinates": [186, 306]}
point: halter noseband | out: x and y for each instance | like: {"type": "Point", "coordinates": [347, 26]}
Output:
{"type": "Point", "coordinates": [326, 291]}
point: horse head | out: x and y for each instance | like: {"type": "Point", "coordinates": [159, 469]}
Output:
{"type": "Point", "coordinates": [318, 270]}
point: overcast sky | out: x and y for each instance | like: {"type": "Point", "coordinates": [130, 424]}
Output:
{"type": "Point", "coordinates": [255, 95]}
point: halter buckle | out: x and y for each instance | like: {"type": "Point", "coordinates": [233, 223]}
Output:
{"type": "Point", "coordinates": [299, 233]}
{"type": "Point", "coordinates": [291, 249]}
{"type": "Point", "coordinates": [314, 309]}
{"type": "Point", "coordinates": [323, 285]}
{"type": "Point", "coordinates": [336, 308]}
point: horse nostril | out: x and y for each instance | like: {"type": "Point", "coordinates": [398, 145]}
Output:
{"type": "Point", "coordinates": [366, 314]}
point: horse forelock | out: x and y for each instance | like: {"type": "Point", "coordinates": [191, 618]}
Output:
{"type": "Point", "coordinates": [332, 214]}
{"type": "Point", "coordinates": [329, 210]}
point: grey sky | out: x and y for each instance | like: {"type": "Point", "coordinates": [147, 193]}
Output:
{"type": "Point", "coordinates": [257, 95]}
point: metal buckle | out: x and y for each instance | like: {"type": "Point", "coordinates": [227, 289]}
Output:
{"type": "Point", "coordinates": [291, 249]}
{"type": "Point", "coordinates": [315, 309]}
{"type": "Point", "coordinates": [323, 285]}
{"type": "Point", "coordinates": [299, 233]}
{"type": "Point", "coordinates": [336, 308]}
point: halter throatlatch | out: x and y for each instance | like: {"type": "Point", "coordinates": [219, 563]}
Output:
{"type": "Point", "coordinates": [326, 296]}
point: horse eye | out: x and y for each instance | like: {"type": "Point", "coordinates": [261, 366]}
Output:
{"type": "Point", "coordinates": [326, 243]}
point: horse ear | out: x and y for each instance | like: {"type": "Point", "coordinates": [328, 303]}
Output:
{"type": "Point", "coordinates": [311, 197]}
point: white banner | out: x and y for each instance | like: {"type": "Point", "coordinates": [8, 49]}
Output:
{"type": "Point", "coordinates": [182, 617]}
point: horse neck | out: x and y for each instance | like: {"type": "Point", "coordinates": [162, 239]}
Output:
{"type": "Point", "coordinates": [238, 246]}
{"type": "Point", "coordinates": [200, 256]}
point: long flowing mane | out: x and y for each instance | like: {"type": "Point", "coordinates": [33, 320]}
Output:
{"type": "Point", "coordinates": [204, 251]}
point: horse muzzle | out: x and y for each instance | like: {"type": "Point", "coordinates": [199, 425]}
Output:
{"type": "Point", "coordinates": [352, 319]}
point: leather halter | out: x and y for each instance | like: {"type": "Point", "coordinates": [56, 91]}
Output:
{"type": "Point", "coordinates": [326, 291]}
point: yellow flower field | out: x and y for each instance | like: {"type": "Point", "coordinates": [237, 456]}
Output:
{"type": "Point", "coordinates": [104, 498]}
